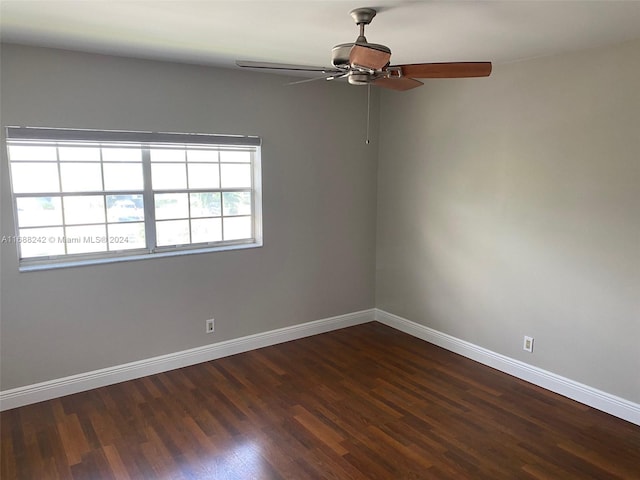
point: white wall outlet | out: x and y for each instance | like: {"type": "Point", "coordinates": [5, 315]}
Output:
{"type": "Point", "coordinates": [528, 344]}
{"type": "Point", "coordinates": [210, 326]}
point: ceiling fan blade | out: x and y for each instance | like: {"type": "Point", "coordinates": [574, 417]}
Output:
{"type": "Point", "coordinates": [397, 83]}
{"type": "Point", "coordinates": [333, 76]}
{"type": "Point", "coordinates": [368, 57]}
{"type": "Point", "coordinates": [284, 66]}
{"type": "Point", "coordinates": [446, 70]}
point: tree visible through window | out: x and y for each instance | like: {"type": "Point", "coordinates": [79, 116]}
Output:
{"type": "Point", "coordinates": [84, 196]}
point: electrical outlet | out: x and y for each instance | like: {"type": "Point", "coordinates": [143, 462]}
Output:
{"type": "Point", "coordinates": [210, 326]}
{"type": "Point", "coordinates": [528, 344]}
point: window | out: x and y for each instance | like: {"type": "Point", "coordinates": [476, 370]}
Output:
{"type": "Point", "coordinates": [85, 196]}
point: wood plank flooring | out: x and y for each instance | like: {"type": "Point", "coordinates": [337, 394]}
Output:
{"type": "Point", "coordinates": [366, 402]}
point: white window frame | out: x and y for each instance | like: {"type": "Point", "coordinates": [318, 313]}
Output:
{"type": "Point", "coordinates": [146, 141]}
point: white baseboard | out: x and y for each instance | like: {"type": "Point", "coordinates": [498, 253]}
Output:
{"type": "Point", "coordinates": [107, 376]}
{"type": "Point", "coordinates": [593, 397]}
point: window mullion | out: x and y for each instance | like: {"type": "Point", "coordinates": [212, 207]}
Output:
{"type": "Point", "coordinates": [186, 172]}
{"type": "Point", "coordinates": [64, 220]}
{"type": "Point", "coordinates": [104, 199]}
{"type": "Point", "coordinates": [221, 197]}
{"type": "Point", "coordinates": [149, 203]}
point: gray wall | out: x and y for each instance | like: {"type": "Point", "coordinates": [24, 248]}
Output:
{"type": "Point", "coordinates": [507, 206]}
{"type": "Point", "coordinates": [319, 187]}
{"type": "Point", "coordinates": [510, 206]}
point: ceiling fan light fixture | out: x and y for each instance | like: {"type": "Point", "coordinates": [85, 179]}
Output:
{"type": "Point", "coordinates": [360, 78]}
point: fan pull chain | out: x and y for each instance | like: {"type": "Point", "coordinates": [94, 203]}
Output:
{"type": "Point", "coordinates": [368, 111]}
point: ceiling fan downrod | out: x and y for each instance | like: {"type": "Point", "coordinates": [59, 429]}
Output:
{"type": "Point", "coordinates": [362, 17]}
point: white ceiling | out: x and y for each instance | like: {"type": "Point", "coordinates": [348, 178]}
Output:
{"type": "Point", "coordinates": [216, 32]}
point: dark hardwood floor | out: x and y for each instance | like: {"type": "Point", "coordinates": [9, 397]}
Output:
{"type": "Point", "coordinates": [366, 402]}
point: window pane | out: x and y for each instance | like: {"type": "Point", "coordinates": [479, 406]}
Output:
{"type": "Point", "coordinates": [84, 209]}
{"type": "Point", "coordinates": [125, 208]}
{"type": "Point", "coordinates": [167, 155]}
{"type": "Point", "coordinates": [84, 194]}
{"type": "Point", "coordinates": [205, 204]}
{"type": "Point", "coordinates": [32, 153]}
{"type": "Point", "coordinates": [39, 211]}
{"type": "Point", "coordinates": [236, 228]}
{"type": "Point", "coordinates": [79, 154]}
{"type": "Point", "coordinates": [202, 155]}
{"type": "Point", "coordinates": [168, 176]}
{"type": "Point", "coordinates": [81, 177]}
{"type": "Point", "coordinates": [235, 157]}
{"type": "Point", "coordinates": [91, 238]}
{"type": "Point", "coordinates": [206, 230]}
{"type": "Point", "coordinates": [235, 175]}
{"type": "Point", "coordinates": [171, 205]}
{"type": "Point", "coordinates": [204, 175]}
{"type": "Point", "coordinates": [35, 177]}
{"type": "Point", "coordinates": [123, 176]}
{"type": "Point", "coordinates": [236, 203]}
{"type": "Point", "coordinates": [172, 232]}
{"type": "Point", "coordinates": [121, 154]}
{"type": "Point", "coordinates": [41, 242]}
{"type": "Point", "coordinates": [126, 236]}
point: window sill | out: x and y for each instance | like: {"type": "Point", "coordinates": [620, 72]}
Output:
{"type": "Point", "coordinates": [35, 267]}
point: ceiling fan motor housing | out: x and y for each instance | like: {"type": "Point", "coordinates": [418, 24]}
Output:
{"type": "Point", "coordinates": [340, 53]}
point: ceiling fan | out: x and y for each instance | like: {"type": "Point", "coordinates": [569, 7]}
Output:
{"type": "Point", "coordinates": [364, 63]}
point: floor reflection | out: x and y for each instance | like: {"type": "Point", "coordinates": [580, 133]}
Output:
{"type": "Point", "coordinates": [241, 462]}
